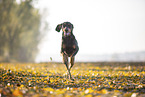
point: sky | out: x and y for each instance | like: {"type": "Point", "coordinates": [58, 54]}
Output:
{"type": "Point", "coordinates": [100, 26]}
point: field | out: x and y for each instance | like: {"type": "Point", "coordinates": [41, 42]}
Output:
{"type": "Point", "coordinates": [90, 80]}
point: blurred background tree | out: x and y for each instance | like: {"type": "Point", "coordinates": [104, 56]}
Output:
{"type": "Point", "coordinates": [19, 31]}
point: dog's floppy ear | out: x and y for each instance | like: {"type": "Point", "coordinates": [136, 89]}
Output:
{"type": "Point", "coordinates": [72, 27]}
{"type": "Point", "coordinates": [58, 28]}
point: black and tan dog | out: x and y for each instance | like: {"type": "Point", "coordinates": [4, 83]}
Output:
{"type": "Point", "coordinates": [69, 46]}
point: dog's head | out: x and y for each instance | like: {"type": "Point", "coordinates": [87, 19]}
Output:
{"type": "Point", "coordinates": [66, 27]}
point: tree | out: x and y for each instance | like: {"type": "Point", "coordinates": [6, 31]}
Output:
{"type": "Point", "coordinates": [19, 30]}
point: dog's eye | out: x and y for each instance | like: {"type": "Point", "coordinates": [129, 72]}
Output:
{"type": "Point", "coordinates": [64, 25]}
{"type": "Point", "coordinates": [69, 26]}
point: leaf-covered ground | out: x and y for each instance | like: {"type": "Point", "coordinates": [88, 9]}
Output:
{"type": "Point", "coordinates": [91, 80]}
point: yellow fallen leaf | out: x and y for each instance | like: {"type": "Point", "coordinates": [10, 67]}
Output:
{"type": "Point", "coordinates": [104, 91]}
{"type": "Point", "coordinates": [89, 95]}
{"type": "Point", "coordinates": [67, 95]}
{"type": "Point", "coordinates": [116, 91]}
{"type": "Point", "coordinates": [48, 89]}
{"type": "Point", "coordinates": [60, 91]}
{"type": "Point", "coordinates": [21, 86]}
{"type": "Point", "coordinates": [109, 83]}
{"type": "Point", "coordinates": [127, 95]}
{"type": "Point", "coordinates": [89, 90]}
{"type": "Point", "coordinates": [17, 92]}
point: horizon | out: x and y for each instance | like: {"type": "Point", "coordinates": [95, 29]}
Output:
{"type": "Point", "coordinates": [116, 57]}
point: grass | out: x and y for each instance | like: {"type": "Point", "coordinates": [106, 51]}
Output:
{"type": "Point", "coordinates": [91, 80]}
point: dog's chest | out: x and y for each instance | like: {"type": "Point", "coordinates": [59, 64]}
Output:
{"type": "Point", "coordinates": [68, 42]}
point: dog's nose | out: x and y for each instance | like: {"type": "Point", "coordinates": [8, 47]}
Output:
{"type": "Point", "coordinates": [66, 29]}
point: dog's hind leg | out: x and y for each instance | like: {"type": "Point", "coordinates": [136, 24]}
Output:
{"type": "Point", "coordinates": [65, 61]}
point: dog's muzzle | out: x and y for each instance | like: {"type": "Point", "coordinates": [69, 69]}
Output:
{"type": "Point", "coordinates": [67, 33]}
{"type": "Point", "coordinates": [66, 30]}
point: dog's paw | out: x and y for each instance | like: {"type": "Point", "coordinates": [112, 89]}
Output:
{"type": "Point", "coordinates": [72, 79]}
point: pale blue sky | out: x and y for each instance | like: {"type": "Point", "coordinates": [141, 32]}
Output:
{"type": "Point", "coordinates": [100, 26]}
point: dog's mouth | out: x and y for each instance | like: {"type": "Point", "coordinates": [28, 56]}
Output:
{"type": "Point", "coordinates": [67, 33]}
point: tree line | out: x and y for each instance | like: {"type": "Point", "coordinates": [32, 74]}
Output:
{"type": "Point", "coordinates": [19, 31]}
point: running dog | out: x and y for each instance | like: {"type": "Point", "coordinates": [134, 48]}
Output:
{"type": "Point", "coordinates": [69, 45]}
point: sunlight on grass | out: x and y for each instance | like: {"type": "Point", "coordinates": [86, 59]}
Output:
{"type": "Point", "coordinates": [91, 80]}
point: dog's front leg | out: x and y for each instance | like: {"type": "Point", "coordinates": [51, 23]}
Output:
{"type": "Point", "coordinates": [71, 62]}
{"type": "Point", "coordinates": [76, 49]}
{"type": "Point", "coordinates": [65, 61]}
